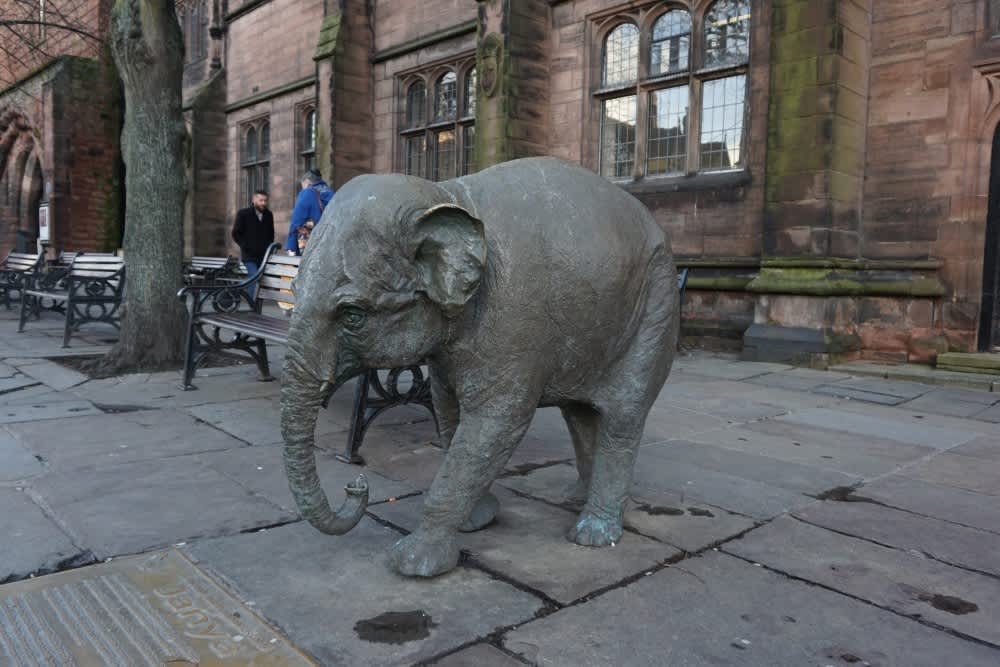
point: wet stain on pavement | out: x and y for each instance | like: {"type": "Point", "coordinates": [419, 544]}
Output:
{"type": "Point", "coordinates": [395, 627]}
{"type": "Point", "coordinates": [697, 511]}
{"type": "Point", "coordinates": [948, 603]}
{"type": "Point", "coordinates": [653, 510]}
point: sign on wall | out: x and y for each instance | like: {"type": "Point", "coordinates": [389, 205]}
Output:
{"type": "Point", "coordinates": [43, 222]}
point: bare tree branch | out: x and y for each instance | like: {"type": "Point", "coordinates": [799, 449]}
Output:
{"type": "Point", "coordinates": [54, 26]}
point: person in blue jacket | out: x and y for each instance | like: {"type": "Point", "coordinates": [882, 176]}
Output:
{"type": "Point", "coordinates": [309, 207]}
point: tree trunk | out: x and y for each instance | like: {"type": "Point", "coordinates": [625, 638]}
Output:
{"type": "Point", "coordinates": [148, 49]}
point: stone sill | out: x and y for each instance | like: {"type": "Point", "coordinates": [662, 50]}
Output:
{"type": "Point", "coordinates": [708, 180]}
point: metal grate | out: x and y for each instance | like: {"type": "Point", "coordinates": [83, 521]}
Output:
{"type": "Point", "coordinates": [722, 112]}
{"type": "Point", "coordinates": [727, 33]}
{"type": "Point", "coordinates": [618, 137]}
{"type": "Point", "coordinates": [666, 133]}
{"type": "Point", "coordinates": [444, 155]}
{"type": "Point", "coordinates": [671, 43]}
{"type": "Point", "coordinates": [621, 55]}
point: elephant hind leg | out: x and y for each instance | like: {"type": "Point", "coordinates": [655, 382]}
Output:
{"type": "Point", "coordinates": [600, 522]}
{"type": "Point", "coordinates": [582, 421]}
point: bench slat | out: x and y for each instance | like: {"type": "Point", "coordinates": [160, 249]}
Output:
{"type": "Point", "coordinates": [284, 259]}
{"type": "Point", "coordinates": [266, 294]}
{"type": "Point", "coordinates": [281, 270]}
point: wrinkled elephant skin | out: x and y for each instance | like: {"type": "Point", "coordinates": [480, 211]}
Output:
{"type": "Point", "coordinates": [532, 283]}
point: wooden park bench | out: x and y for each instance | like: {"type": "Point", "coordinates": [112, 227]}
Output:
{"type": "Point", "coordinates": [91, 291]}
{"type": "Point", "coordinates": [17, 269]}
{"type": "Point", "coordinates": [214, 309]}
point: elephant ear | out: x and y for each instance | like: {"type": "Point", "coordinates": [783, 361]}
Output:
{"type": "Point", "coordinates": [450, 255]}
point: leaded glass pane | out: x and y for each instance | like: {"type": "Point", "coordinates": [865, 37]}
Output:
{"type": "Point", "coordinates": [416, 155]}
{"type": "Point", "coordinates": [309, 131]}
{"type": "Point", "coordinates": [727, 33]}
{"type": "Point", "coordinates": [469, 103]}
{"type": "Point", "coordinates": [250, 146]}
{"type": "Point", "coordinates": [670, 44]}
{"type": "Point", "coordinates": [444, 155]}
{"type": "Point", "coordinates": [468, 149]}
{"type": "Point", "coordinates": [446, 97]}
{"type": "Point", "coordinates": [618, 137]}
{"type": "Point", "coordinates": [666, 133]}
{"type": "Point", "coordinates": [416, 104]}
{"type": "Point", "coordinates": [621, 55]}
{"type": "Point", "coordinates": [722, 115]}
{"type": "Point", "coordinates": [265, 141]}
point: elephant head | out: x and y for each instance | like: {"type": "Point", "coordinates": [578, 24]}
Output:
{"type": "Point", "coordinates": [387, 272]}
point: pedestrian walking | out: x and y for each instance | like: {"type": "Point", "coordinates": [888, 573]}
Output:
{"type": "Point", "coordinates": [253, 232]}
{"type": "Point", "coordinates": [309, 207]}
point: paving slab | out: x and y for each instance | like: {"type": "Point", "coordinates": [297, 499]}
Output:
{"type": "Point", "coordinates": [718, 610]}
{"type": "Point", "coordinates": [689, 526]}
{"type": "Point", "coordinates": [854, 394]}
{"type": "Point", "coordinates": [257, 421]}
{"type": "Point", "coordinates": [918, 373]}
{"type": "Point", "coordinates": [7, 371]}
{"type": "Point", "coordinates": [772, 471]}
{"type": "Point", "coordinates": [16, 462]}
{"type": "Point", "coordinates": [816, 447]}
{"type": "Point", "coordinates": [948, 542]}
{"type": "Point", "coordinates": [666, 481]}
{"type": "Point", "coordinates": [43, 406]}
{"type": "Point", "coordinates": [731, 409]}
{"type": "Point", "coordinates": [798, 379]}
{"type": "Point", "coordinates": [669, 422]}
{"type": "Point", "coordinates": [528, 543]}
{"type": "Point", "coordinates": [141, 612]}
{"type": "Point", "coordinates": [134, 507]}
{"type": "Point", "coordinates": [984, 447]}
{"type": "Point", "coordinates": [478, 655]}
{"type": "Point", "coordinates": [261, 470]}
{"type": "Point", "coordinates": [110, 439]}
{"type": "Point", "coordinates": [323, 591]}
{"type": "Point", "coordinates": [902, 581]}
{"type": "Point", "coordinates": [991, 415]}
{"type": "Point", "coordinates": [731, 369]}
{"type": "Point", "coordinates": [926, 420]}
{"type": "Point", "coordinates": [15, 382]}
{"type": "Point", "coordinates": [893, 388]}
{"type": "Point", "coordinates": [162, 390]}
{"type": "Point", "coordinates": [52, 374]}
{"type": "Point", "coordinates": [403, 453]}
{"type": "Point", "coordinates": [914, 432]}
{"type": "Point", "coordinates": [963, 472]}
{"type": "Point", "coordinates": [954, 401]}
{"type": "Point", "coordinates": [943, 502]}
{"type": "Point", "coordinates": [31, 542]}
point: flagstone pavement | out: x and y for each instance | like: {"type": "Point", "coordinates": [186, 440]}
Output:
{"type": "Point", "coordinates": [779, 516]}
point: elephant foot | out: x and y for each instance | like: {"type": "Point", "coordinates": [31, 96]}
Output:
{"type": "Point", "coordinates": [482, 514]}
{"type": "Point", "coordinates": [419, 555]}
{"type": "Point", "coordinates": [593, 531]}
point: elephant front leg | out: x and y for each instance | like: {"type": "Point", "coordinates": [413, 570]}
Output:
{"type": "Point", "coordinates": [479, 451]}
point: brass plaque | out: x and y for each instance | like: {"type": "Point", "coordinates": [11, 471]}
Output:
{"type": "Point", "coordinates": [155, 609]}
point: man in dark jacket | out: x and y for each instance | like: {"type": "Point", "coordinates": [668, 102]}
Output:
{"type": "Point", "coordinates": [254, 233]}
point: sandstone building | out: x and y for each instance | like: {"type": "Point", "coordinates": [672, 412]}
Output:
{"type": "Point", "coordinates": [825, 168]}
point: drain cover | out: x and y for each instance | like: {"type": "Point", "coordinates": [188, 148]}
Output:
{"type": "Point", "coordinates": [146, 610]}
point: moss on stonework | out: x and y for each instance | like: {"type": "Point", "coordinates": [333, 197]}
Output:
{"type": "Point", "coordinates": [329, 34]}
{"type": "Point", "coordinates": [834, 282]}
{"type": "Point", "coordinates": [323, 154]}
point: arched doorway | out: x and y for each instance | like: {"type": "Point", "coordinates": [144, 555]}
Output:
{"type": "Point", "coordinates": [989, 319]}
{"type": "Point", "coordinates": [31, 197]}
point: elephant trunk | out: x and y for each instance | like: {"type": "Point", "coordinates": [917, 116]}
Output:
{"type": "Point", "coordinates": [301, 397]}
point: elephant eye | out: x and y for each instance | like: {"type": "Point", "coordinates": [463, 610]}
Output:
{"type": "Point", "coordinates": [354, 317]}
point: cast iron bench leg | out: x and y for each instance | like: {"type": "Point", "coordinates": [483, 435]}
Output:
{"type": "Point", "coordinates": [359, 422]}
